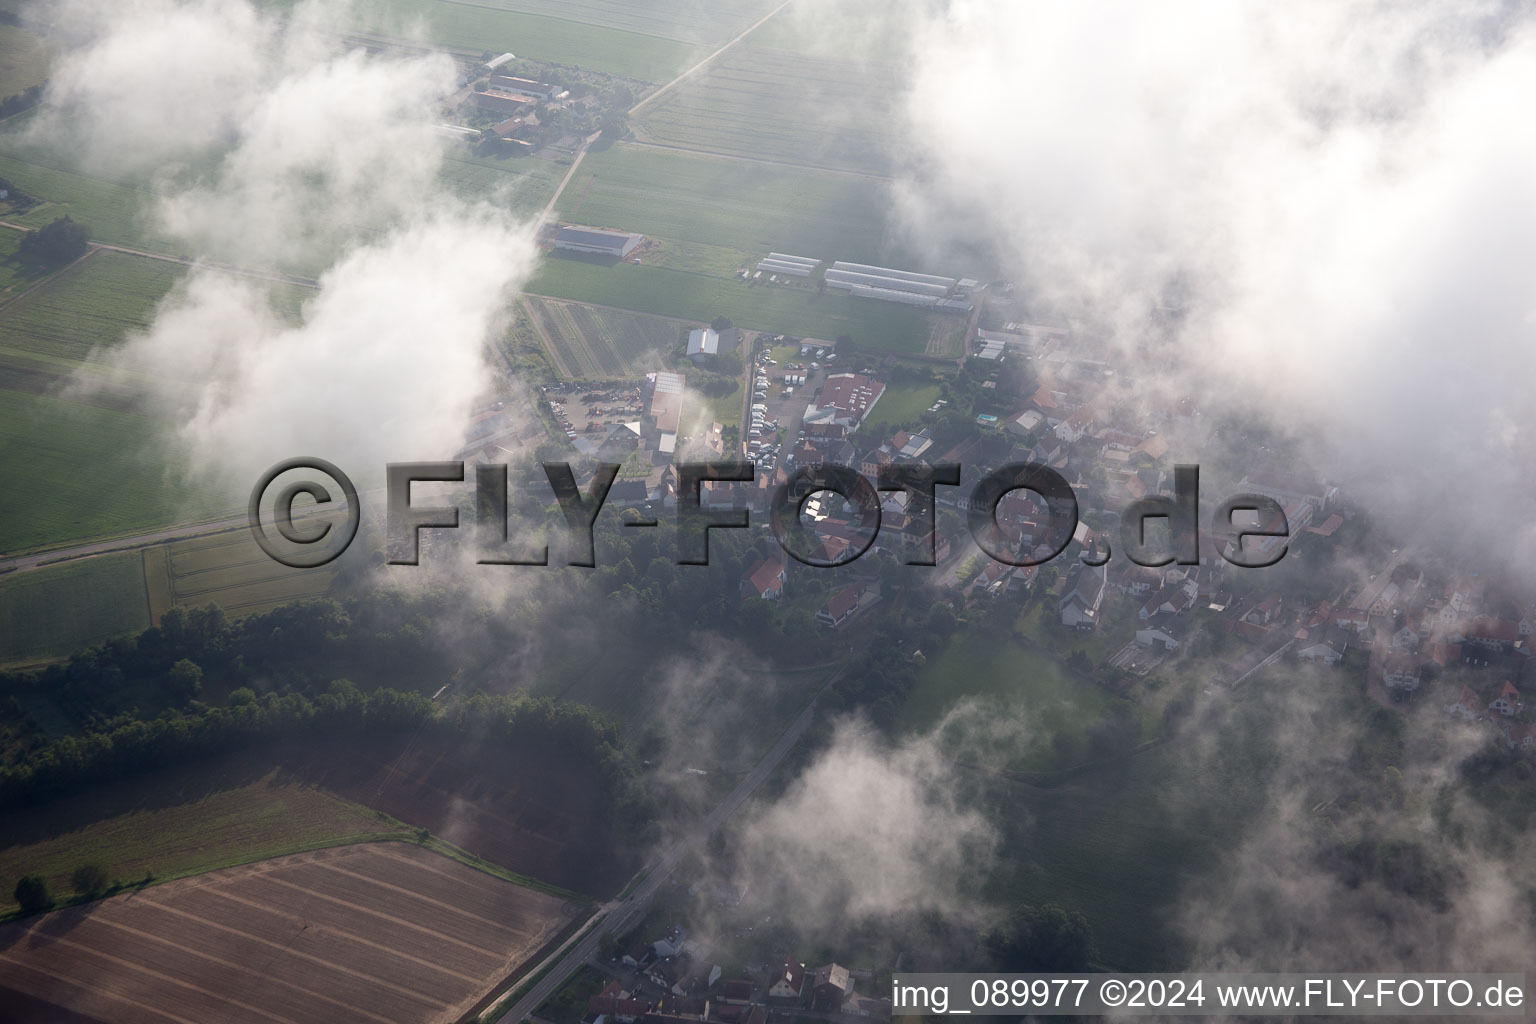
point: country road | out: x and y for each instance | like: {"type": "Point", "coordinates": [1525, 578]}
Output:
{"type": "Point", "coordinates": [619, 916]}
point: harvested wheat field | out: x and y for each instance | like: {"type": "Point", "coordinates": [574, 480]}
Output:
{"type": "Point", "coordinates": [384, 932]}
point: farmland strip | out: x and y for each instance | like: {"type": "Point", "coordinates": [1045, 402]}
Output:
{"type": "Point", "coordinates": [246, 968]}
{"type": "Point", "coordinates": [90, 992]}
{"type": "Point", "coordinates": [169, 979]}
{"type": "Point", "coordinates": [352, 936]}
{"type": "Point", "coordinates": [333, 965]}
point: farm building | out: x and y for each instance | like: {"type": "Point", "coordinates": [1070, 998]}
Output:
{"type": "Point", "coordinates": [902, 286]}
{"type": "Point", "coordinates": [526, 86]}
{"type": "Point", "coordinates": [596, 240]}
{"type": "Point", "coordinates": [665, 410]}
{"type": "Point", "coordinates": [791, 266]}
{"type": "Point", "coordinates": [845, 399]}
{"type": "Point", "coordinates": [705, 343]}
{"type": "Point", "coordinates": [502, 102]}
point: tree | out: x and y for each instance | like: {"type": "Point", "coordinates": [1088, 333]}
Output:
{"type": "Point", "coordinates": [615, 124]}
{"type": "Point", "coordinates": [33, 895]}
{"type": "Point", "coordinates": [1047, 938]}
{"type": "Point", "coordinates": [186, 678]}
{"type": "Point", "coordinates": [89, 880]}
{"type": "Point", "coordinates": [721, 323]}
{"type": "Point", "coordinates": [845, 346]}
{"type": "Point", "coordinates": [60, 242]}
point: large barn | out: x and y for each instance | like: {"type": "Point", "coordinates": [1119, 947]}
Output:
{"type": "Point", "coordinates": [597, 240]}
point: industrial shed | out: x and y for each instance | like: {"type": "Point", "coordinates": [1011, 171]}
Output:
{"type": "Point", "coordinates": [597, 240]}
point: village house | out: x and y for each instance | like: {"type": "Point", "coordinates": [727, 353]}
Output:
{"type": "Point", "coordinates": [765, 580]}
{"type": "Point", "coordinates": [1494, 635]}
{"type": "Point", "coordinates": [1328, 646]}
{"type": "Point", "coordinates": [842, 605]}
{"type": "Point", "coordinates": [1158, 632]}
{"type": "Point", "coordinates": [1402, 672]}
{"type": "Point", "coordinates": [737, 992]}
{"type": "Point", "coordinates": [1467, 705]}
{"type": "Point", "coordinates": [831, 987]}
{"type": "Point", "coordinates": [1079, 606]}
{"type": "Point", "coordinates": [788, 982]}
{"type": "Point", "coordinates": [1508, 702]}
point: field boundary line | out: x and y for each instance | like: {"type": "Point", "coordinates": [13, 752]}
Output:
{"type": "Point", "coordinates": [784, 164]}
{"type": "Point", "coordinates": [707, 60]}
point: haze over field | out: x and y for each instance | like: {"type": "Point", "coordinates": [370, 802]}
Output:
{"type": "Point", "coordinates": [1321, 215]}
{"type": "Point", "coordinates": [294, 150]}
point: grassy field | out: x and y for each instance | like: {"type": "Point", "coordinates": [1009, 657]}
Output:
{"type": "Point", "coordinates": [647, 58]}
{"type": "Point", "coordinates": [743, 207]}
{"type": "Point", "coordinates": [93, 465]}
{"type": "Point", "coordinates": [522, 183]}
{"type": "Point", "coordinates": [116, 214]}
{"type": "Point", "coordinates": [820, 111]}
{"type": "Point", "coordinates": [55, 610]}
{"type": "Point", "coordinates": [24, 59]}
{"type": "Point", "coordinates": [902, 406]}
{"type": "Point", "coordinates": [15, 277]}
{"type": "Point", "coordinates": [229, 570]}
{"type": "Point", "coordinates": [589, 342]}
{"type": "Point", "coordinates": [92, 304]}
{"type": "Point", "coordinates": [877, 326]}
{"type": "Point", "coordinates": [180, 822]}
{"type": "Point", "coordinates": [689, 21]}
{"type": "Point", "coordinates": [86, 472]}
{"type": "Point", "coordinates": [1011, 680]}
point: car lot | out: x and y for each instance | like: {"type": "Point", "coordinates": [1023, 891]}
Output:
{"type": "Point", "coordinates": [777, 406]}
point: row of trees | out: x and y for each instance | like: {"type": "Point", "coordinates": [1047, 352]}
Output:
{"type": "Point", "coordinates": [72, 763]}
{"type": "Point", "coordinates": [33, 895]}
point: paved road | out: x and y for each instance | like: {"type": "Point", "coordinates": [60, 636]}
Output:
{"type": "Point", "coordinates": [21, 563]}
{"type": "Point", "coordinates": [1270, 659]}
{"type": "Point", "coordinates": [619, 916]}
{"type": "Point", "coordinates": [1372, 590]}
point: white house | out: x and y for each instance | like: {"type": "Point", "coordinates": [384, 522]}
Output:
{"type": "Point", "coordinates": [788, 982]}
{"type": "Point", "coordinates": [1157, 634]}
{"type": "Point", "coordinates": [1328, 646]}
{"type": "Point", "coordinates": [1079, 606]}
{"type": "Point", "coordinates": [764, 580]}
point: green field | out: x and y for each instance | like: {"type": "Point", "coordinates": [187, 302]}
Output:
{"type": "Point", "coordinates": [229, 570]}
{"type": "Point", "coordinates": [49, 612]}
{"type": "Point", "coordinates": [876, 326]}
{"type": "Point", "coordinates": [93, 304]}
{"type": "Point", "coordinates": [24, 59]}
{"type": "Point", "coordinates": [1010, 681]}
{"type": "Point", "coordinates": [689, 21]}
{"type": "Point", "coordinates": [179, 822]}
{"type": "Point", "coordinates": [589, 342]}
{"type": "Point", "coordinates": [744, 207]}
{"type": "Point", "coordinates": [524, 184]}
{"type": "Point", "coordinates": [1113, 846]}
{"type": "Point", "coordinates": [15, 277]}
{"type": "Point", "coordinates": [81, 472]}
{"type": "Point", "coordinates": [116, 214]}
{"type": "Point", "coordinates": [901, 407]}
{"type": "Point", "coordinates": [91, 465]}
{"type": "Point", "coordinates": [647, 58]}
{"type": "Point", "coordinates": [819, 111]}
